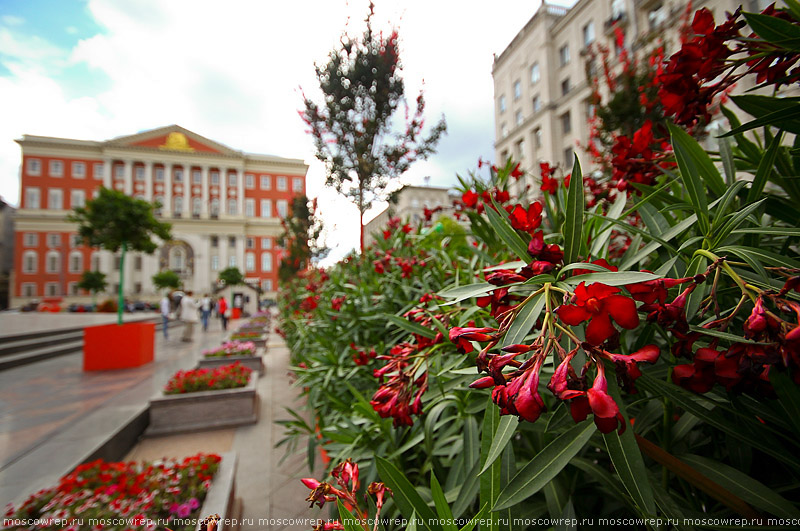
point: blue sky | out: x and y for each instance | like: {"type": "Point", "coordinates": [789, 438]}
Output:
{"type": "Point", "coordinates": [98, 69]}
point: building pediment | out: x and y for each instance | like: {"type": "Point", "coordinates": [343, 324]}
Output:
{"type": "Point", "coordinates": [172, 138]}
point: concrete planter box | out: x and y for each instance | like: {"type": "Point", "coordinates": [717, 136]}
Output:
{"type": "Point", "coordinates": [256, 363]}
{"type": "Point", "coordinates": [220, 498]}
{"type": "Point", "coordinates": [204, 410]}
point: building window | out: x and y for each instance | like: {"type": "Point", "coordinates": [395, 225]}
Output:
{"type": "Point", "coordinates": [177, 259]}
{"type": "Point", "coordinates": [119, 171]}
{"type": "Point", "coordinates": [72, 288]}
{"type": "Point", "coordinates": [565, 87]}
{"type": "Point", "coordinates": [535, 74]}
{"type": "Point", "coordinates": [232, 207]}
{"type": "Point", "coordinates": [138, 173]}
{"type": "Point", "coordinates": [215, 241]}
{"type": "Point", "coordinates": [249, 262]}
{"type": "Point", "coordinates": [177, 175]}
{"type": "Point", "coordinates": [266, 243]}
{"type": "Point", "coordinates": [231, 261]}
{"type": "Point", "coordinates": [266, 208]}
{"type": "Point", "coordinates": [537, 103]}
{"type": "Point", "coordinates": [266, 262]}
{"type": "Point", "coordinates": [54, 240]}
{"type": "Point", "coordinates": [52, 262]}
{"type": "Point", "coordinates": [55, 199]}
{"type": "Point", "coordinates": [214, 177]}
{"type": "Point", "coordinates": [32, 198]}
{"type": "Point", "coordinates": [569, 157]}
{"type": "Point", "coordinates": [657, 16]}
{"type": "Point", "coordinates": [160, 174]}
{"type": "Point", "coordinates": [51, 289]}
{"type": "Point", "coordinates": [518, 118]}
{"type": "Point", "coordinates": [591, 69]}
{"type": "Point", "coordinates": [77, 198]}
{"type": "Point", "coordinates": [214, 208]}
{"type": "Point", "coordinates": [95, 262]}
{"type": "Point", "coordinates": [250, 243]}
{"type": "Point", "coordinates": [30, 239]}
{"type": "Point", "coordinates": [137, 287]}
{"type": "Point", "coordinates": [588, 33]}
{"type": "Point", "coordinates": [30, 262]}
{"type": "Point", "coordinates": [283, 208]}
{"type": "Point", "coordinates": [97, 170]}
{"type": "Point", "coordinates": [537, 137]}
{"type": "Point", "coordinates": [158, 204]}
{"type": "Point", "coordinates": [297, 184]}
{"type": "Point", "coordinates": [563, 55]}
{"type": "Point", "coordinates": [197, 177]}
{"type": "Point", "coordinates": [590, 109]}
{"type": "Point", "coordinates": [232, 179]}
{"type": "Point", "coordinates": [566, 123]}
{"type": "Point", "coordinates": [78, 170]}
{"type": "Point", "coordinates": [519, 149]}
{"type": "Point", "coordinates": [137, 263]}
{"type": "Point", "coordinates": [177, 205]}
{"type": "Point", "coordinates": [197, 206]}
{"type": "Point", "coordinates": [231, 241]}
{"type": "Point", "coordinates": [250, 207]}
{"type": "Point", "coordinates": [29, 289]}
{"type": "Point", "coordinates": [266, 182]}
{"type": "Point", "coordinates": [214, 263]}
{"type": "Point", "coordinates": [34, 166]}
{"type": "Point", "coordinates": [503, 130]}
{"type": "Point", "coordinates": [75, 262]}
{"type": "Point", "coordinates": [501, 103]}
{"type": "Point", "coordinates": [117, 262]}
{"type": "Point", "coordinates": [56, 168]}
{"type": "Point", "coordinates": [617, 9]}
{"type": "Point", "coordinates": [266, 285]}
{"type": "Point", "coordinates": [517, 90]}
{"type": "Point", "coordinates": [75, 240]}
{"type": "Point", "coordinates": [249, 181]}
{"type": "Point", "coordinates": [282, 184]}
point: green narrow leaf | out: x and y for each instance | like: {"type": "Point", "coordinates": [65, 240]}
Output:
{"type": "Point", "coordinates": [545, 465]}
{"type": "Point", "coordinates": [744, 486]}
{"type": "Point", "coordinates": [788, 397]}
{"type": "Point", "coordinates": [573, 212]}
{"type": "Point", "coordinates": [604, 233]}
{"type": "Point", "coordinates": [469, 489]}
{"type": "Point", "coordinates": [442, 508]}
{"type": "Point", "coordinates": [698, 264]}
{"type": "Point", "coordinates": [404, 494]}
{"type": "Point", "coordinates": [613, 278]}
{"type": "Point", "coordinates": [725, 202]}
{"type": "Point", "coordinates": [490, 483]}
{"type": "Point", "coordinates": [726, 154]}
{"type": "Point", "coordinates": [690, 174]}
{"type": "Point", "coordinates": [766, 257]}
{"type": "Point", "coordinates": [469, 526]}
{"type": "Point", "coordinates": [774, 30]}
{"type": "Point", "coordinates": [524, 321]}
{"type": "Point", "coordinates": [505, 430]}
{"type": "Point", "coordinates": [506, 232]}
{"type": "Point", "coordinates": [603, 477]}
{"type": "Point", "coordinates": [764, 169]}
{"type": "Point", "coordinates": [410, 326]}
{"type": "Point", "coordinates": [347, 519]}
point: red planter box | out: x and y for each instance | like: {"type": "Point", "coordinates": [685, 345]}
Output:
{"type": "Point", "coordinates": [108, 347]}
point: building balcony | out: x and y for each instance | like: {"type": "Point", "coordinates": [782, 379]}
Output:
{"type": "Point", "coordinates": [620, 20]}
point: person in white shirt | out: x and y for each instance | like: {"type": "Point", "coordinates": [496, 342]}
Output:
{"type": "Point", "coordinates": [205, 309]}
{"type": "Point", "coordinates": [188, 316]}
{"type": "Point", "coordinates": [165, 314]}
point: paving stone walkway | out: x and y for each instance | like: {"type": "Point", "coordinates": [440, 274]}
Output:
{"type": "Point", "coordinates": [52, 413]}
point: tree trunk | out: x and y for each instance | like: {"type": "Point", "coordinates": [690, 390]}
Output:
{"type": "Point", "coordinates": [120, 298]}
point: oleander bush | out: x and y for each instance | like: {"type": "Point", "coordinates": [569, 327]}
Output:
{"type": "Point", "coordinates": [600, 352]}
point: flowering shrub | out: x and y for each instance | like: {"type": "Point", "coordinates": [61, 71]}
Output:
{"type": "Point", "coordinates": [146, 493]}
{"type": "Point", "coordinates": [231, 348]}
{"type": "Point", "coordinates": [225, 377]}
{"type": "Point", "coordinates": [246, 334]}
{"type": "Point", "coordinates": [636, 353]}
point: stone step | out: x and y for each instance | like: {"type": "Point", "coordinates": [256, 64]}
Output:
{"type": "Point", "coordinates": [28, 343]}
{"type": "Point", "coordinates": [38, 354]}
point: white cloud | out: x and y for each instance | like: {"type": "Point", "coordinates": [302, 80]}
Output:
{"type": "Point", "coordinates": [232, 73]}
{"type": "Point", "coordinates": [11, 20]}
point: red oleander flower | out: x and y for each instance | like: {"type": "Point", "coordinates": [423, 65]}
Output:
{"type": "Point", "coordinates": [526, 220]}
{"type": "Point", "coordinates": [547, 253]}
{"type": "Point", "coordinates": [517, 172]}
{"type": "Point", "coordinates": [336, 303]}
{"type": "Point", "coordinates": [462, 337]}
{"type": "Point", "coordinates": [379, 490]}
{"type": "Point", "coordinates": [549, 184]}
{"type": "Point", "coordinates": [469, 198]}
{"type": "Point", "coordinates": [598, 304]}
{"type": "Point", "coordinates": [387, 234]}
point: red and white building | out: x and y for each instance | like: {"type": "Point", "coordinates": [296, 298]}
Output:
{"type": "Point", "coordinates": [224, 205]}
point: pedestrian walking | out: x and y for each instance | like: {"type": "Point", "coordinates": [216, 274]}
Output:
{"type": "Point", "coordinates": [165, 307]}
{"type": "Point", "coordinates": [205, 311]}
{"type": "Point", "coordinates": [222, 310]}
{"type": "Point", "coordinates": [188, 316]}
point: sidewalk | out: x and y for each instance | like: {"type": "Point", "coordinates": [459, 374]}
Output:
{"type": "Point", "coordinates": [52, 414]}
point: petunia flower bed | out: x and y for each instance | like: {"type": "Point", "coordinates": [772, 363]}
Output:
{"type": "Point", "coordinates": [225, 377]}
{"type": "Point", "coordinates": [245, 334]}
{"type": "Point", "coordinates": [615, 346]}
{"type": "Point", "coordinates": [231, 348]}
{"type": "Point", "coordinates": [141, 493]}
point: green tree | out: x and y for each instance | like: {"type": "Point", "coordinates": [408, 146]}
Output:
{"type": "Point", "coordinates": [166, 280]}
{"type": "Point", "coordinates": [231, 276]}
{"type": "Point", "coordinates": [352, 128]}
{"type": "Point", "coordinates": [93, 282]}
{"type": "Point", "coordinates": [119, 223]}
{"type": "Point", "coordinates": [302, 232]}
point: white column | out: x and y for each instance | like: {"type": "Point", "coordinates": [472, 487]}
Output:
{"type": "Point", "coordinates": [107, 169]}
{"type": "Point", "coordinates": [223, 192]}
{"type": "Point", "coordinates": [187, 192]}
{"type": "Point", "coordinates": [127, 175]}
{"type": "Point", "coordinates": [240, 191]}
{"type": "Point", "coordinates": [204, 188]}
{"type": "Point", "coordinates": [167, 209]}
{"type": "Point", "coordinates": [148, 181]}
